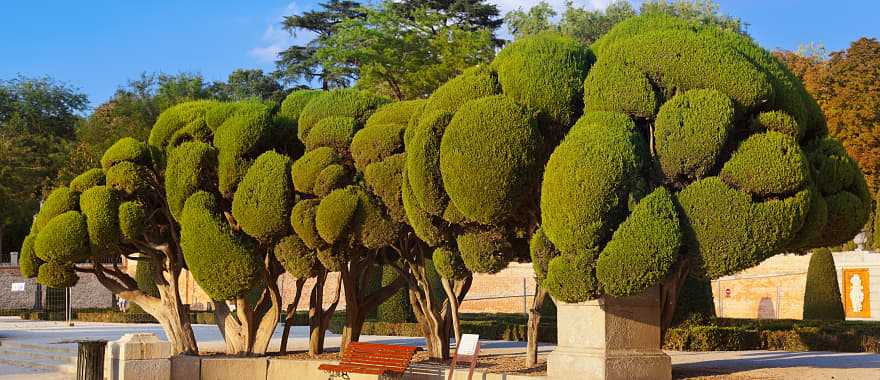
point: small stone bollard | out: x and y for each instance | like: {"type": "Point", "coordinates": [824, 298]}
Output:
{"type": "Point", "coordinates": [139, 356]}
{"type": "Point", "coordinates": [90, 360]}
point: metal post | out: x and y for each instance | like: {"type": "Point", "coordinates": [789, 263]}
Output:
{"type": "Point", "coordinates": [68, 316]}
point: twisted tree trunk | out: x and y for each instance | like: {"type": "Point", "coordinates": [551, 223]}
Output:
{"type": "Point", "coordinates": [358, 304]}
{"type": "Point", "coordinates": [319, 317]}
{"type": "Point", "coordinates": [534, 325]}
{"type": "Point", "coordinates": [289, 319]}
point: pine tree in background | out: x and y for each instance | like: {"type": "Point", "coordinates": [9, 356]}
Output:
{"type": "Point", "coordinates": [822, 295]}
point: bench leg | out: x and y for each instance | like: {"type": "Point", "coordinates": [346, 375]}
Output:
{"type": "Point", "coordinates": [338, 376]}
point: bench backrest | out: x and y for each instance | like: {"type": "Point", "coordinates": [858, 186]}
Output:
{"type": "Point", "coordinates": [394, 358]}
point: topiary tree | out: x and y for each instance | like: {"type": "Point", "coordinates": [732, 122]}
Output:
{"type": "Point", "coordinates": [475, 153]}
{"type": "Point", "coordinates": [822, 298]}
{"type": "Point", "coordinates": [698, 153]}
{"type": "Point", "coordinates": [228, 183]}
{"type": "Point", "coordinates": [118, 210]}
{"type": "Point", "coordinates": [342, 215]}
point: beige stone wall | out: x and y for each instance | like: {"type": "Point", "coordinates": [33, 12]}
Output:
{"type": "Point", "coordinates": [773, 289]}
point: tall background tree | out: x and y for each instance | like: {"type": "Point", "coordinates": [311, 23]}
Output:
{"type": "Point", "coordinates": [403, 50]}
{"type": "Point", "coordinates": [588, 25]}
{"type": "Point", "coordinates": [38, 120]}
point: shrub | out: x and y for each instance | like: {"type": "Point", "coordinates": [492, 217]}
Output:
{"type": "Point", "coordinates": [822, 295]}
{"type": "Point", "coordinates": [396, 309]}
{"type": "Point", "coordinates": [28, 262]}
{"type": "Point", "coordinates": [489, 156]}
{"type": "Point", "coordinates": [352, 103]}
{"type": "Point", "coordinates": [241, 137]}
{"type": "Point", "coordinates": [189, 170]}
{"type": "Point", "coordinates": [64, 239]}
{"type": "Point", "coordinates": [262, 202]}
{"type": "Point", "coordinates": [302, 219]}
{"type": "Point", "coordinates": [60, 200]}
{"type": "Point", "coordinates": [57, 275]}
{"type": "Point", "coordinates": [397, 113]}
{"type": "Point", "coordinates": [777, 121]}
{"type": "Point", "coordinates": [372, 227]}
{"type": "Point", "coordinates": [385, 179]}
{"type": "Point", "coordinates": [100, 206]}
{"type": "Point", "coordinates": [376, 142]}
{"type": "Point", "coordinates": [424, 225]}
{"type": "Point", "coordinates": [619, 88]}
{"type": "Point", "coordinates": [128, 178]}
{"type": "Point", "coordinates": [588, 179]}
{"type": "Point", "coordinates": [335, 213]}
{"type": "Point", "coordinates": [474, 83]}
{"type": "Point", "coordinates": [305, 170]}
{"type": "Point", "coordinates": [208, 243]}
{"type": "Point", "coordinates": [484, 251]}
{"type": "Point", "coordinates": [643, 249]}
{"type": "Point", "coordinates": [293, 104]}
{"type": "Point", "coordinates": [571, 277]}
{"type": "Point", "coordinates": [767, 164]}
{"type": "Point", "coordinates": [423, 162]}
{"type": "Point", "coordinates": [546, 73]}
{"type": "Point", "coordinates": [132, 220]}
{"type": "Point", "coordinates": [334, 131]}
{"type": "Point", "coordinates": [126, 149]}
{"type": "Point", "coordinates": [727, 231]}
{"type": "Point", "coordinates": [542, 251]}
{"type": "Point", "coordinates": [331, 178]}
{"type": "Point", "coordinates": [89, 178]}
{"type": "Point", "coordinates": [296, 258]}
{"type": "Point", "coordinates": [175, 118]}
{"type": "Point", "coordinates": [690, 131]}
{"type": "Point", "coordinates": [448, 263]}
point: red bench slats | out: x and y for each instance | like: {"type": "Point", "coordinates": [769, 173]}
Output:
{"type": "Point", "coordinates": [373, 359]}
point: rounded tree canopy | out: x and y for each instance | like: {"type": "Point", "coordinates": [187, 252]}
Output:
{"type": "Point", "coordinates": [737, 166]}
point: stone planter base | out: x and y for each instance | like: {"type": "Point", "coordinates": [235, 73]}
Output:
{"type": "Point", "coordinates": [609, 339]}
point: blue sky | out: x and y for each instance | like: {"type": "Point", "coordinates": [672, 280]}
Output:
{"type": "Point", "coordinates": [99, 45]}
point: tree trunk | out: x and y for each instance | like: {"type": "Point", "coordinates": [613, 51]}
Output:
{"type": "Point", "coordinates": [534, 326]}
{"type": "Point", "coordinates": [268, 318]}
{"type": "Point", "coordinates": [175, 320]}
{"type": "Point", "coordinates": [354, 323]}
{"type": "Point", "coordinates": [319, 318]}
{"type": "Point", "coordinates": [669, 290]}
{"type": "Point", "coordinates": [90, 360]}
{"type": "Point", "coordinates": [289, 319]}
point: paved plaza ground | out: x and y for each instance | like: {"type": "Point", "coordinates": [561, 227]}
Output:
{"type": "Point", "coordinates": [686, 365]}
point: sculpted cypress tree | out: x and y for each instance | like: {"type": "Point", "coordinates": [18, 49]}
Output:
{"type": "Point", "coordinates": [338, 216]}
{"type": "Point", "coordinates": [475, 153]}
{"type": "Point", "coordinates": [227, 179]}
{"type": "Point", "coordinates": [667, 148]}
{"type": "Point", "coordinates": [697, 152]}
{"type": "Point", "coordinates": [109, 212]}
{"type": "Point", "coordinates": [822, 295]}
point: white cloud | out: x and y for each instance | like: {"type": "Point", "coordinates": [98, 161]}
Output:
{"type": "Point", "coordinates": [275, 39]}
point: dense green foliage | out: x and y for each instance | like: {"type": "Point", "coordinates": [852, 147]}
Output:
{"type": "Point", "coordinates": [262, 203]}
{"type": "Point", "coordinates": [397, 308]}
{"type": "Point", "coordinates": [822, 294]}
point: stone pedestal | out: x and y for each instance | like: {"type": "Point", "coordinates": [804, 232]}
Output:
{"type": "Point", "coordinates": [139, 357]}
{"type": "Point", "coordinates": [609, 339]}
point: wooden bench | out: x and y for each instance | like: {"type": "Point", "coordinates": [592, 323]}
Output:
{"type": "Point", "coordinates": [371, 359]}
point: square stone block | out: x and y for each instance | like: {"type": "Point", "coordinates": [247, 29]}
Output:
{"type": "Point", "coordinates": [234, 368]}
{"type": "Point", "coordinates": [150, 369]}
{"type": "Point", "coordinates": [186, 367]}
{"type": "Point", "coordinates": [139, 346]}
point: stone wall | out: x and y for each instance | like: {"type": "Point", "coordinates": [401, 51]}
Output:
{"type": "Point", "coordinates": [775, 288]}
{"type": "Point", "coordinates": [88, 292]}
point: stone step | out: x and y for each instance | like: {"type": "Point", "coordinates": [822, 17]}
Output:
{"type": "Point", "coordinates": [42, 364]}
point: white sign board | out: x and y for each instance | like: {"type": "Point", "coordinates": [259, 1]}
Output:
{"type": "Point", "coordinates": [468, 344]}
{"type": "Point", "coordinates": [17, 286]}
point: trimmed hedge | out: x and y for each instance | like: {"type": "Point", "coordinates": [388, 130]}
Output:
{"type": "Point", "coordinates": [64, 239]}
{"type": "Point", "coordinates": [88, 179]}
{"type": "Point", "coordinates": [782, 335]}
{"type": "Point", "coordinates": [767, 164]}
{"type": "Point", "coordinates": [822, 298]}
{"type": "Point", "coordinates": [262, 202]}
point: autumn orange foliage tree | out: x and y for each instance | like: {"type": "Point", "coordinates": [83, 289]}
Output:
{"type": "Point", "coordinates": [846, 84]}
